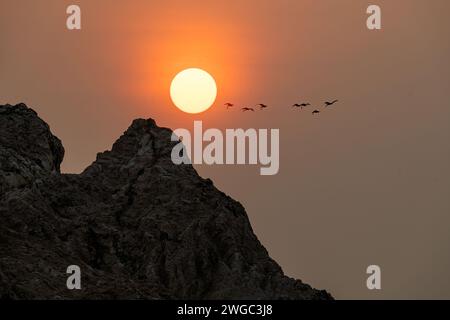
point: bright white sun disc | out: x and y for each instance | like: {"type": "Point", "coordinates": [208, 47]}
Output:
{"type": "Point", "coordinates": [193, 90]}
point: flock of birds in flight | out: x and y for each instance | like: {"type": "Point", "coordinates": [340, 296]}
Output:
{"type": "Point", "coordinates": [263, 106]}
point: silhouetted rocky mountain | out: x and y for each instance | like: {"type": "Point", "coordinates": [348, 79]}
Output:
{"type": "Point", "coordinates": [138, 226]}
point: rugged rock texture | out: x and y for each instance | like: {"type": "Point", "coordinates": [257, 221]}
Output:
{"type": "Point", "coordinates": [28, 150]}
{"type": "Point", "coordinates": [139, 226]}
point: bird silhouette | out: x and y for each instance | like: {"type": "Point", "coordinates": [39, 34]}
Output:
{"type": "Point", "coordinates": [247, 109]}
{"type": "Point", "coordinates": [327, 104]}
{"type": "Point", "coordinates": [304, 105]}
{"type": "Point", "coordinates": [301, 105]}
{"type": "Point", "coordinates": [228, 105]}
{"type": "Point", "coordinates": [315, 112]}
{"type": "Point", "coordinates": [262, 106]}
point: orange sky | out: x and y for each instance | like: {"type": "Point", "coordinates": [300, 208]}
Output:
{"type": "Point", "coordinates": [366, 183]}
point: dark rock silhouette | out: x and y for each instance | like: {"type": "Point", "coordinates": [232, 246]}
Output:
{"type": "Point", "coordinates": [138, 226]}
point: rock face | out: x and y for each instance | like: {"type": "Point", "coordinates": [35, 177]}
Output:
{"type": "Point", "coordinates": [28, 150]}
{"type": "Point", "coordinates": [138, 226]}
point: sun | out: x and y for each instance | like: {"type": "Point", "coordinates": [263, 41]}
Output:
{"type": "Point", "coordinates": [193, 90]}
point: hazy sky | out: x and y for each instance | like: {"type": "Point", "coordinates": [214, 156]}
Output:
{"type": "Point", "coordinates": [366, 182]}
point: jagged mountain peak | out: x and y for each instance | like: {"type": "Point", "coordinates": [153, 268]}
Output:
{"type": "Point", "coordinates": [138, 226]}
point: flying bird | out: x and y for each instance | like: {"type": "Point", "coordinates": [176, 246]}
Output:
{"type": "Point", "coordinates": [262, 106]}
{"type": "Point", "coordinates": [228, 105]}
{"type": "Point", "coordinates": [301, 105]}
{"type": "Point", "coordinates": [315, 112]}
{"type": "Point", "coordinates": [327, 104]}
{"type": "Point", "coordinates": [247, 109]}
